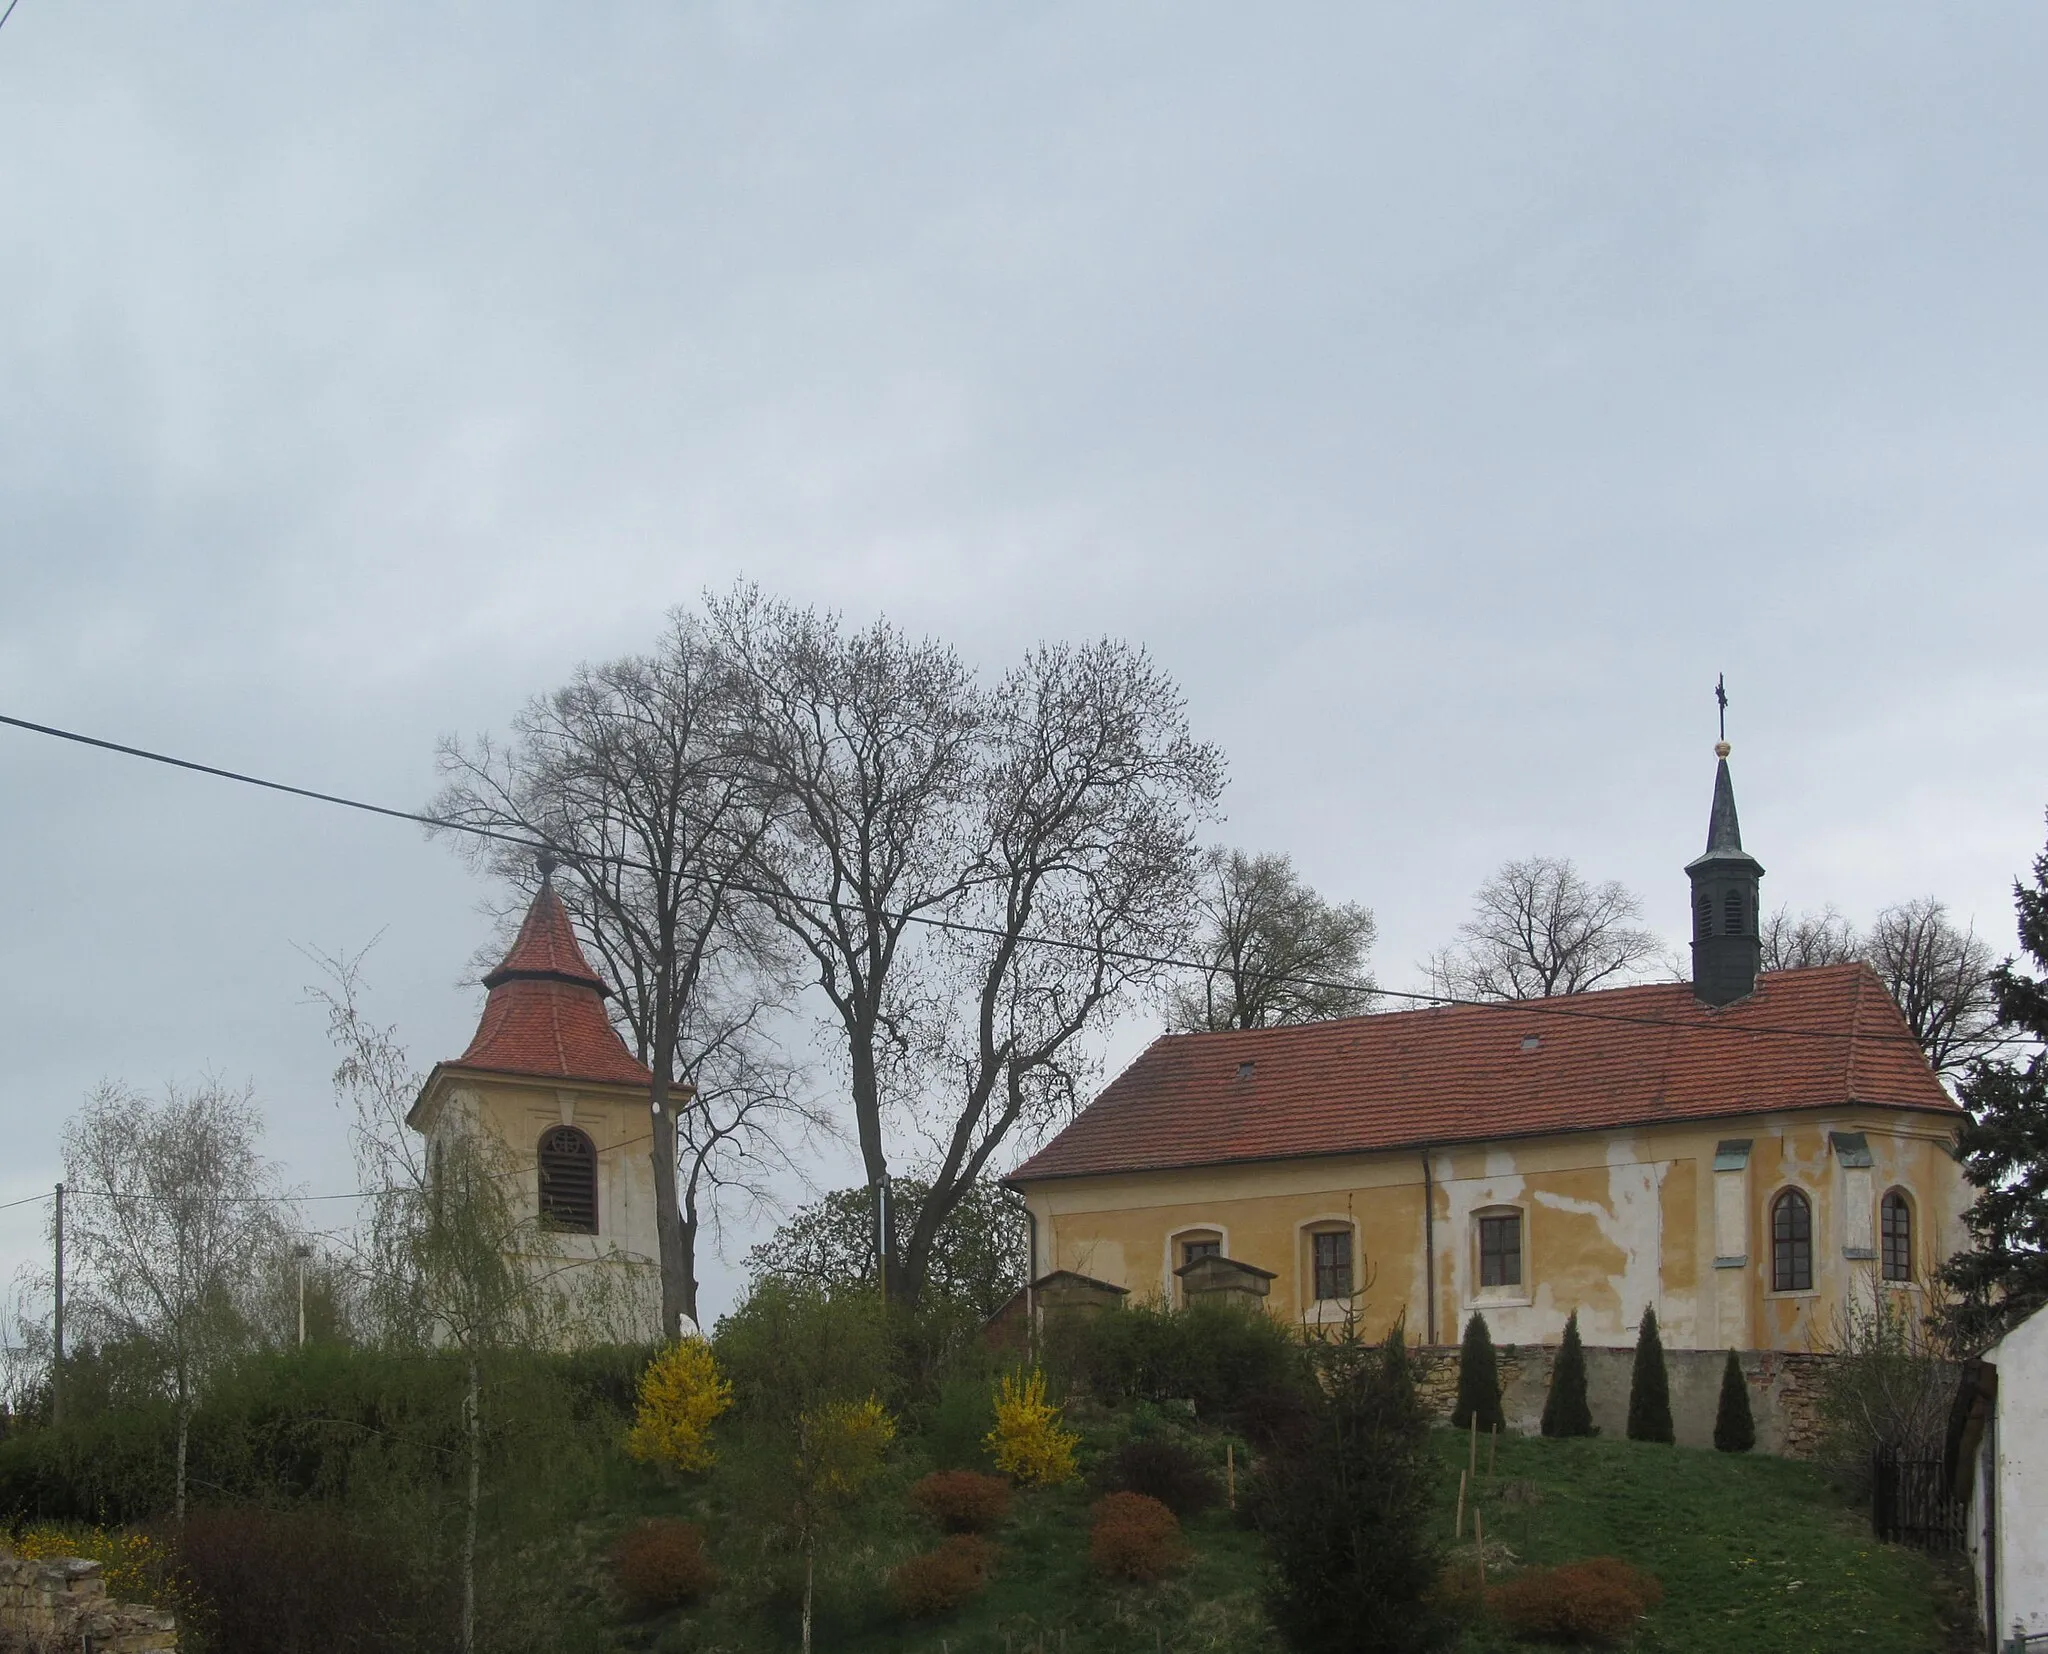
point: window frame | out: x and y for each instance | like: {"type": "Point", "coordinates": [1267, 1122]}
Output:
{"type": "Point", "coordinates": [1497, 1221]}
{"type": "Point", "coordinates": [1318, 1237]}
{"type": "Point", "coordinates": [552, 1163]}
{"type": "Point", "coordinates": [1786, 1250]}
{"type": "Point", "coordinates": [1895, 1247]}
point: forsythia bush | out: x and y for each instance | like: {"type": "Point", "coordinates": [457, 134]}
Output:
{"type": "Point", "coordinates": [939, 1581]}
{"type": "Point", "coordinates": [964, 1501]}
{"type": "Point", "coordinates": [681, 1393]}
{"type": "Point", "coordinates": [1027, 1441]}
{"type": "Point", "coordinates": [137, 1567]}
{"type": "Point", "coordinates": [1135, 1537]}
{"type": "Point", "coordinates": [844, 1443]}
{"type": "Point", "coordinates": [661, 1564]}
{"type": "Point", "coordinates": [1597, 1600]}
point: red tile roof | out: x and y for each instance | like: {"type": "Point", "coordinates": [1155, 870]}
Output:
{"type": "Point", "coordinates": [1469, 1073]}
{"type": "Point", "coordinates": [545, 1015]}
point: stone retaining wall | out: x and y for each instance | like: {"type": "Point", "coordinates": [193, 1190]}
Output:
{"type": "Point", "coordinates": [1782, 1391]}
{"type": "Point", "coordinates": [62, 1604]}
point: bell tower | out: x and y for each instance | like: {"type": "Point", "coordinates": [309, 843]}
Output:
{"type": "Point", "coordinates": [1725, 912]}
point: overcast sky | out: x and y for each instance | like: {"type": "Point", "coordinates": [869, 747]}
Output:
{"type": "Point", "coordinates": [1444, 394]}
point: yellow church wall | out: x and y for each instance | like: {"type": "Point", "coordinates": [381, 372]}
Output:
{"type": "Point", "coordinates": [517, 1111]}
{"type": "Point", "coordinates": [1611, 1222]}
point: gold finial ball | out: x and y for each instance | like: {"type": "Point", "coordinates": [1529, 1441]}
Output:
{"type": "Point", "coordinates": [1722, 749]}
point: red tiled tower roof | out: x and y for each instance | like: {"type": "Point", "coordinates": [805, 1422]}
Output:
{"type": "Point", "coordinates": [545, 1016]}
{"type": "Point", "coordinates": [1825, 1037]}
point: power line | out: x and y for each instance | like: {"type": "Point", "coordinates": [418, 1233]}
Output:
{"type": "Point", "coordinates": [4, 15]}
{"type": "Point", "coordinates": [933, 921]}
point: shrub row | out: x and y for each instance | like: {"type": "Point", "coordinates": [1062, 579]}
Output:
{"type": "Point", "coordinates": [1220, 1358]}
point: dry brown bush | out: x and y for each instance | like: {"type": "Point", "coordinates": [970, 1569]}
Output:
{"type": "Point", "coordinates": [1597, 1600]}
{"type": "Point", "coordinates": [962, 1501]}
{"type": "Point", "coordinates": [1135, 1537]}
{"type": "Point", "coordinates": [661, 1565]}
{"type": "Point", "coordinates": [938, 1581]}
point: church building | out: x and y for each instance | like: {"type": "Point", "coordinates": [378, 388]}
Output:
{"type": "Point", "coordinates": [549, 1077]}
{"type": "Point", "coordinates": [1742, 1151]}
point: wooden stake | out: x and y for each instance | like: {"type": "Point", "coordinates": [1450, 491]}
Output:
{"type": "Point", "coordinates": [1474, 1465]}
{"type": "Point", "coordinates": [1479, 1543]}
{"type": "Point", "coordinates": [1492, 1448]}
{"type": "Point", "coordinates": [1230, 1472]}
{"type": "Point", "coordinates": [1459, 1531]}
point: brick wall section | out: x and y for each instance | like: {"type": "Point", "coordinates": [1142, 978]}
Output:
{"type": "Point", "coordinates": [63, 1604]}
{"type": "Point", "coordinates": [1782, 1391]}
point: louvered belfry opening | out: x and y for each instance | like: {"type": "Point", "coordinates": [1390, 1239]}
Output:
{"type": "Point", "coordinates": [568, 1180]}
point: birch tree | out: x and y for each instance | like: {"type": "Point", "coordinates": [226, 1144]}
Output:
{"type": "Point", "coordinates": [450, 1256]}
{"type": "Point", "coordinates": [172, 1208]}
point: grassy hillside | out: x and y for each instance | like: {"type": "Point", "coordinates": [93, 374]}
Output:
{"type": "Point", "coordinates": [1756, 1554]}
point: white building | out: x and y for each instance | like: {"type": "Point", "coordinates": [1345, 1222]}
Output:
{"type": "Point", "coordinates": [2003, 1448]}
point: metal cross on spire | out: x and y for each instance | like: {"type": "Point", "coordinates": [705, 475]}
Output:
{"type": "Point", "coordinates": [1721, 699]}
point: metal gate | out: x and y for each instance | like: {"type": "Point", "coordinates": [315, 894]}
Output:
{"type": "Point", "coordinates": [1913, 1503]}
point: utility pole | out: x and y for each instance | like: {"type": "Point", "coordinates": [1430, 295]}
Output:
{"type": "Point", "coordinates": [57, 1366]}
{"type": "Point", "coordinates": [302, 1252]}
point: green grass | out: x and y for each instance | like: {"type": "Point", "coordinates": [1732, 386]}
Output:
{"type": "Point", "coordinates": [1757, 1554]}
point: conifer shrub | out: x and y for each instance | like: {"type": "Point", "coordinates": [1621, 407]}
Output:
{"type": "Point", "coordinates": [1163, 1469]}
{"type": "Point", "coordinates": [938, 1581]}
{"type": "Point", "coordinates": [1134, 1537]}
{"type": "Point", "coordinates": [1596, 1602]}
{"type": "Point", "coordinates": [661, 1564]}
{"type": "Point", "coordinates": [1346, 1502]}
{"type": "Point", "coordinates": [1029, 1443]}
{"type": "Point", "coordinates": [1478, 1380]}
{"type": "Point", "coordinates": [1734, 1424]}
{"type": "Point", "coordinates": [1566, 1411]}
{"type": "Point", "coordinates": [1649, 1386]}
{"type": "Point", "coordinates": [962, 1501]}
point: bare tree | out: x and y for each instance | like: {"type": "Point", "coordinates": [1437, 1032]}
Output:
{"type": "Point", "coordinates": [1091, 790]}
{"type": "Point", "coordinates": [867, 744]}
{"type": "Point", "coordinates": [1823, 938]}
{"type": "Point", "coordinates": [630, 776]}
{"type": "Point", "coordinates": [449, 1256]}
{"type": "Point", "coordinates": [1538, 928]}
{"type": "Point", "coordinates": [1940, 974]}
{"type": "Point", "coordinates": [171, 1208]}
{"type": "Point", "coordinates": [1273, 951]}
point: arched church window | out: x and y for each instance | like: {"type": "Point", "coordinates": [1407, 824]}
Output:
{"type": "Point", "coordinates": [1706, 915]}
{"type": "Point", "coordinates": [1734, 913]}
{"type": "Point", "coordinates": [1895, 1232]}
{"type": "Point", "coordinates": [568, 1180]}
{"type": "Point", "coordinates": [1791, 1243]}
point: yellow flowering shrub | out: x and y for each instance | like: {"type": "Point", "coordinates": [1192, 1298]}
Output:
{"type": "Point", "coordinates": [1027, 1442]}
{"type": "Point", "coordinates": [844, 1444]}
{"type": "Point", "coordinates": [681, 1394]}
{"type": "Point", "coordinates": [137, 1567]}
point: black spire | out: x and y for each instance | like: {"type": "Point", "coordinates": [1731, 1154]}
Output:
{"type": "Point", "coordinates": [1725, 914]}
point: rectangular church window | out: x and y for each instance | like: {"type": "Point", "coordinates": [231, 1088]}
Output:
{"type": "Point", "coordinates": [1333, 1264]}
{"type": "Point", "coordinates": [1500, 1250]}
